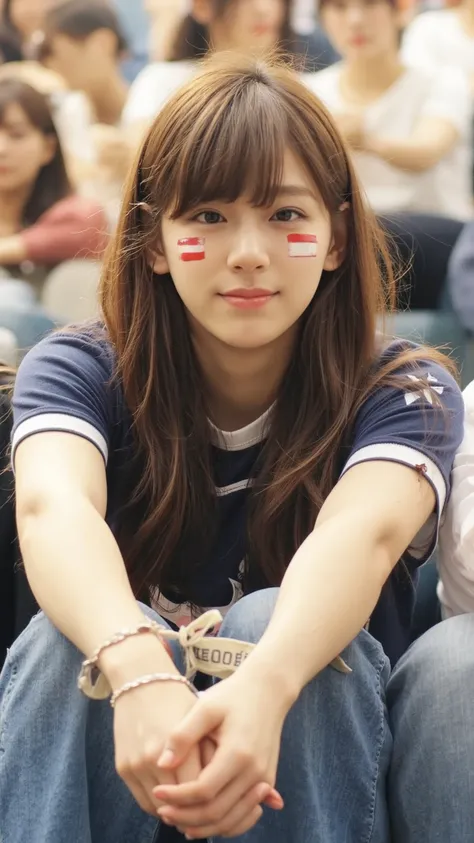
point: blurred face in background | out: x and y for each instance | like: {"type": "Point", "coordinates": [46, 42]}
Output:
{"type": "Point", "coordinates": [361, 29]}
{"type": "Point", "coordinates": [28, 15]}
{"type": "Point", "coordinates": [245, 25]}
{"type": "Point", "coordinates": [79, 60]}
{"type": "Point", "coordinates": [24, 150]}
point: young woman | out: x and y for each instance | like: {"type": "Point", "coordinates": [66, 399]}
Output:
{"type": "Point", "coordinates": [219, 25]}
{"type": "Point", "coordinates": [236, 427]}
{"type": "Point", "coordinates": [42, 222]}
{"type": "Point", "coordinates": [409, 127]}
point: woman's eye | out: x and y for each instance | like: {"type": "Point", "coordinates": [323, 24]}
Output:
{"type": "Point", "coordinates": [287, 215]}
{"type": "Point", "coordinates": [209, 217]}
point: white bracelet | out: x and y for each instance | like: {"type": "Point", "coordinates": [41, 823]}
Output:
{"type": "Point", "coordinates": [148, 679]}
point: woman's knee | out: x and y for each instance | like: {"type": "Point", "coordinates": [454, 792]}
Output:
{"type": "Point", "coordinates": [248, 619]}
{"type": "Point", "coordinates": [440, 662]}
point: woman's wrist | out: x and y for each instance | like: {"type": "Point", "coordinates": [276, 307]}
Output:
{"type": "Point", "coordinates": [134, 657]}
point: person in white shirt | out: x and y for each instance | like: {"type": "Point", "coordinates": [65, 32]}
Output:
{"type": "Point", "coordinates": [212, 25]}
{"type": "Point", "coordinates": [442, 38]}
{"type": "Point", "coordinates": [409, 128]}
{"type": "Point", "coordinates": [456, 548]}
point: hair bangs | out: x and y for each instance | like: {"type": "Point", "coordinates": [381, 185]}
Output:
{"type": "Point", "coordinates": [238, 150]}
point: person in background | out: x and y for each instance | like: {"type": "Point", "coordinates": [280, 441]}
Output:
{"type": "Point", "coordinates": [442, 38]}
{"type": "Point", "coordinates": [42, 221]}
{"type": "Point", "coordinates": [82, 41]}
{"type": "Point", "coordinates": [214, 25]}
{"type": "Point", "coordinates": [409, 128]}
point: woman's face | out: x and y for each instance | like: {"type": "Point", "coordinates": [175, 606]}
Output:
{"type": "Point", "coordinates": [27, 16]}
{"type": "Point", "coordinates": [24, 150]}
{"type": "Point", "coordinates": [361, 28]}
{"type": "Point", "coordinates": [246, 274]}
{"type": "Point", "coordinates": [245, 25]}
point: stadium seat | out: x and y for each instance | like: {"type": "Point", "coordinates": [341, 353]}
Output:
{"type": "Point", "coordinates": [27, 323]}
{"type": "Point", "coordinates": [70, 291]}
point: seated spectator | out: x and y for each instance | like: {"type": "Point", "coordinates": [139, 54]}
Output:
{"type": "Point", "coordinates": [83, 43]}
{"type": "Point", "coordinates": [442, 38]}
{"type": "Point", "coordinates": [42, 222]}
{"type": "Point", "coordinates": [409, 127]}
{"type": "Point", "coordinates": [220, 25]}
{"type": "Point", "coordinates": [456, 556]}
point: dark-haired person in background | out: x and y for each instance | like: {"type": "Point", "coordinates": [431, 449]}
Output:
{"type": "Point", "coordinates": [82, 41]}
{"type": "Point", "coordinates": [42, 221]}
{"type": "Point", "coordinates": [24, 17]}
{"type": "Point", "coordinates": [217, 25]}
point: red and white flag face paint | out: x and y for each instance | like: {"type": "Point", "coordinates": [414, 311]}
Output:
{"type": "Point", "coordinates": [191, 249]}
{"type": "Point", "coordinates": [302, 245]}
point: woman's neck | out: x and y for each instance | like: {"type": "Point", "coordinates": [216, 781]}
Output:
{"type": "Point", "coordinates": [108, 97]}
{"type": "Point", "coordinates": [12, 204]}
{"type": "Point", "coordinates": [365, 80]}
{"type": "Point", "coordinates": [241, 383]}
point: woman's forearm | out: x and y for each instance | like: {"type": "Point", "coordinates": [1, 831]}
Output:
{"type": "Point", "coordinates": [406, 154]}
{"type": "Point", "coordinates": [78, 576]}
{"type": "Point", "coordinates": [327, 595]}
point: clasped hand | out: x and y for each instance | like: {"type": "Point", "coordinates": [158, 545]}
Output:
{"type": "Point", "coordinates": [237, 730]}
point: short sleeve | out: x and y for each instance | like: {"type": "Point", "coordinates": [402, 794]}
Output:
{"type": "Point", "coordinates": [420, 427]}
{"type": "Point", "coordinates": [63, 384]}
{"type": "Point", "coordinates": [420, 43]}
{"type": "Point", "coordinates": [450, 99]}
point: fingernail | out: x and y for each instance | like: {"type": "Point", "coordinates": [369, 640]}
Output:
{"type": "Point", "coordinates": [166, 758]}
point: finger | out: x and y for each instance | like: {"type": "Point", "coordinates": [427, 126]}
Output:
{"type": "Point", "coordinates": [198, 724]}
{"type": "Point", "coordinates": [190, 768]}
{"type": "Point", "coordinates": [141, 794]}
{"type": "Point", "coordinates": [225, 766]}
{"type": "Point", "coordinates": [242, 816]}
{"type": "Point", "coordinates": [208, 749]}
{"type": "Point", "coordinates": [214, 811]}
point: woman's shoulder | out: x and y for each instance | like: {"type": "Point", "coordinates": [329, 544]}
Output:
{"type": "Point", "coordinates": [82, 352]}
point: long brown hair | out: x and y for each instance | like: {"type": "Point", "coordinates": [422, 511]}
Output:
{"type": "Point", "coordinates": [52, 183]}
{"type": "Point", "coordinates": [192, 38]}
{"type": "Point", "coordinates": [220, 137]}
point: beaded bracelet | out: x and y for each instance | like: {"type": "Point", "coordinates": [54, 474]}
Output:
{"type": "Point", "coordinates": [147, 680]}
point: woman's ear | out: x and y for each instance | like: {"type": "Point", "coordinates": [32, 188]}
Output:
{"type": "Point", "coordinates": [49, 151]}
{"type": "Point", "coordinates": [159, 263]}
{"type": "Point", "coordinates": [337, 249]}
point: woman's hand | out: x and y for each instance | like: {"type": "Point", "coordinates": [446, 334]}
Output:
{"type": "Point", "coordinates": [143, 722]}
{"type": "Point", "coordinates": [351, 126]}
{"type": "Point", "coordinates": [245, 722]}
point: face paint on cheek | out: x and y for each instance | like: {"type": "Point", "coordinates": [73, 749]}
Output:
{"type": "Point", "coordinates": [191, 248]}
{"type": "Point", "coordinates": [302, 245]}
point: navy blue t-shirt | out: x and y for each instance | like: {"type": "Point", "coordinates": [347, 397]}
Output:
{"type": "Point", "coordinates": [66, 383]}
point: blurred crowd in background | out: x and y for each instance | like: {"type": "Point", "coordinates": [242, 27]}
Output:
{"type": "Point", "coordinates": [81, 80]}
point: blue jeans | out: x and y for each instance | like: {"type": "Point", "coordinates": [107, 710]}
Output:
{"type": "Point", "coordinates": [365, 758]}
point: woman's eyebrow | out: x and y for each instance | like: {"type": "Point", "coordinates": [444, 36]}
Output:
{"type": "Point", "coordinates": [295, 190]}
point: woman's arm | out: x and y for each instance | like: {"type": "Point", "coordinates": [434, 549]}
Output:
{"type": "Point", "coordinates": [334, 580]}
{"type": "Point", "coordinates": [432, 139]}
{"type": "Point", "coordinates": [71, 558]}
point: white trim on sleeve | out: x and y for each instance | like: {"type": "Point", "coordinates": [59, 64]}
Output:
{"type": "Point", "coordinates": [392, 452]}
{"type": "Point", "coordinates": [60, 422]}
